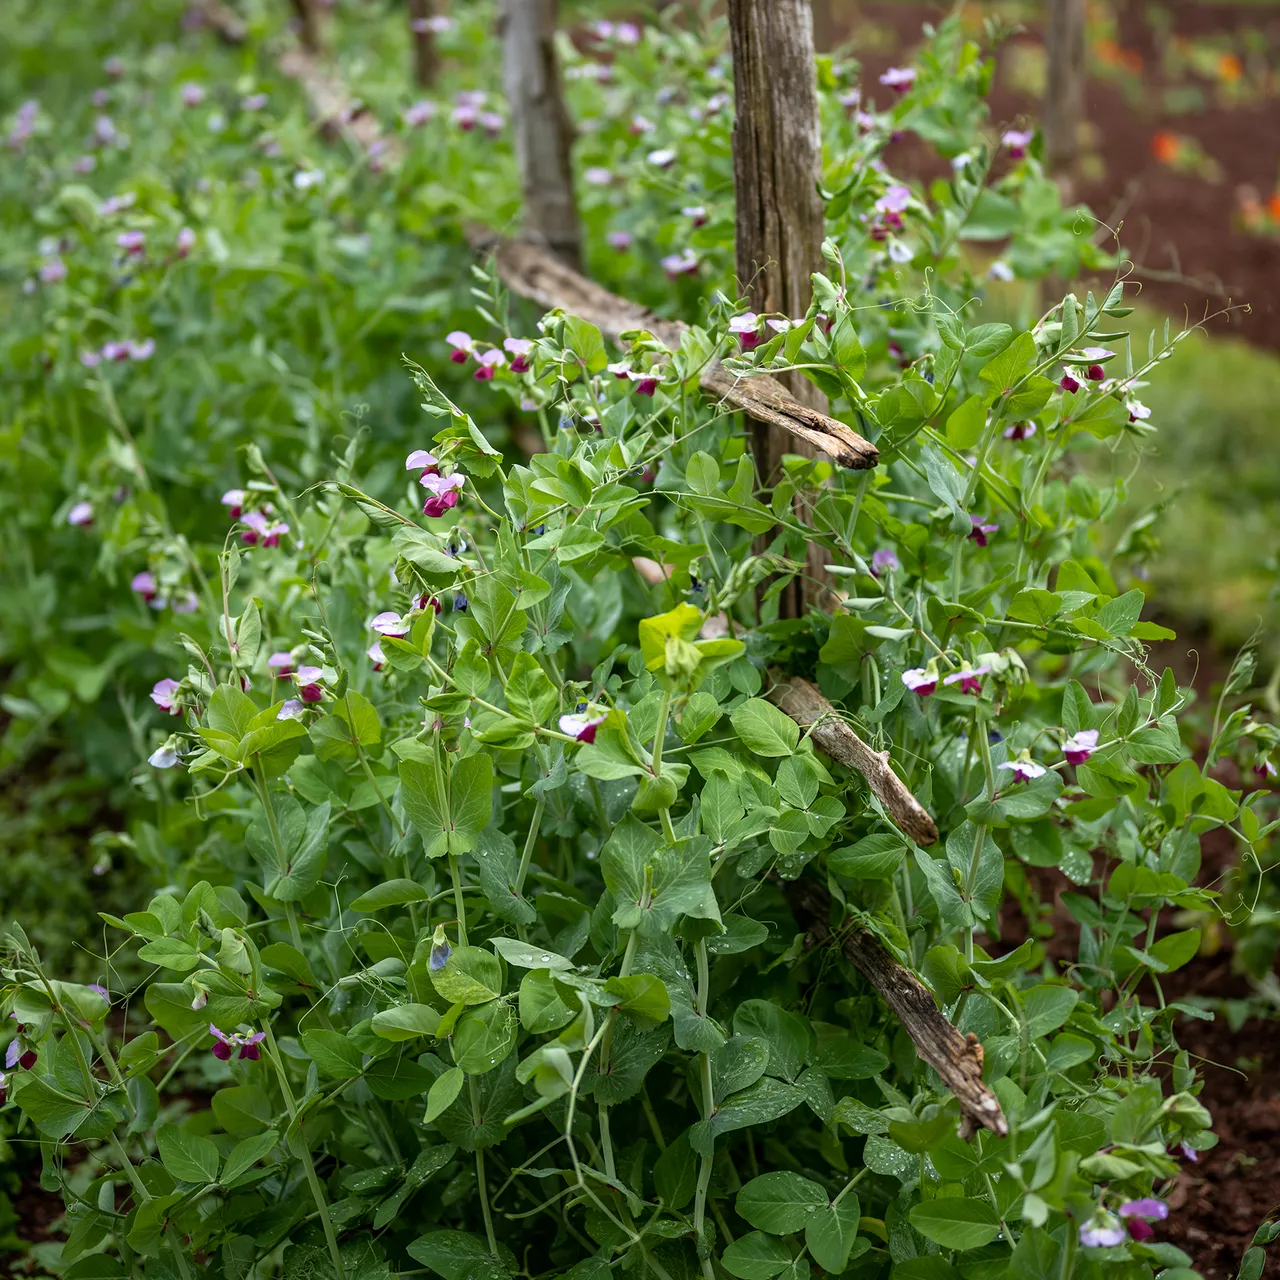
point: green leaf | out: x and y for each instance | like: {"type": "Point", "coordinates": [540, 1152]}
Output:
{"type": "Point", "coordinates": [764, 729]}
{"type": "Point", "coordinates": [334, 1055]}
{"type": "Point", "coordinates": [449, 815]}
{"type": "Point", "coordinates": [642, 997]}
{"type": "Point", "coordinates": [189, 1157]}
{"type": "Point", "coordinates": [406, 1022]}
{"type": "Point", "coordinates": [955, 1222]}
{"type": "Point", "coordinates": [455, 1255]}
{"type": "Point", "coordinates": [484, 1036]}
{"type": "Point", "coordinates": [756, 1256]}
{"type": "Point", "coordinates": [530, 693]}
{"type": "Point", "coordinates": [766, 1100]}
{"type": "Point", "coordinates": [876, 857]}
{"type": "Point", "coordinates": [170, 953]}
{"type": "Point", "coordinates": [390, 893]}
{"type": "Point", "coordinates": [1117, 617]}
{"type": "Point", "coordinates": [523, 956]}
{"type": "Point", "coordinates": [966, 423]}
{"type": "Point", "coordinates": [780, 1203]}
{"type": "Point", "coordinates": [1034, 605]}
{"type": "Point", "coordinates": [471, 975]}
{"type": "Point", "coordinates": [830, 1233]}
{"type": "Point", "coordinates": [246, 1153]}
{"type": "Point", "coordinates": [442, 1093]}
{"type": "Point", "coordinates": [1176, 949]}
{"type": "Point", "coordinates": [1045, 1008]}
{"type": "Point", "coordinates": [653, 885]}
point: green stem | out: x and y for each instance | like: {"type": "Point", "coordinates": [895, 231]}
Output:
{"type": "Point", "coordinates": [480, 1179]}
{"type": "Point", "coordinates": [708, 1108]}
{"type": "Point", "coordinates": [140, 1190]}
{"type": "Point", "coordinates": [308, 1165]}
{"type": "Point", "coordinates": [459, 906]}
{"type": "Point", "coordinates": [530, 840]}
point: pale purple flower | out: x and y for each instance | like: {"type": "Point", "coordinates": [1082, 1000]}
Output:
{"type": "Point", "coordinates": [192, 94]}
{"type": "Point", "coordinates": [597, 176]}
{"type": "Point", "coordinates": [619, 240]}
{"type": "Point", "coordinates": [1000, 270]}
{"type": "Point", "coordinates": [641, 125]}
{"type": "Point", "coordinates": [419, 113]}
{"type": "Point", "coordinates": [663, 158]}
{"type": "Point", "coordinates": [968, 678]}
{"type": "Point", "coordinates": [81, 514]}
{"type": "Point", "coordinates": [491, 122]}
{"type": "Point", "coordinates": [185, 242]}
{"type": "Point", "coordinates": [390, 624]}
{"type": "Point", "coordinates": [253, 102]}
{"type": "Point", "coordinates": [1147, 1207]}
{"type": "Point", "coordinates": [375, 655]}
{"type": "Point", "coordinates": [132, 242]}
{"type": "Point", "coordinates": [490, 362]}
{"type": "Point", "coordinates": [234, 500]}
{"type": "Point", "coordinates": [440, 950]}
{"type": "Point", "coordinates": [519, 349]}
{"type": "Point", "coordinates": [471, 98]}
{"type": "Point", "coordinates": [884, 560]}
{"type": "Point", "coordinates": [627, 33]}
{"type": "Point", "coordinates": [308, 680]}
{"type": "Point", "coordinates": [895, 200]}
{"type": "Point", "coordinates": [105, 131]}
{"type": "Point", "coordinates": [164, 695]}
{"type": "Point", "coordinates": [117, 204]}
{"type": "Point", "coordinates": [24, 123]}
{"type": "Point", "coordinates": [697, 213]}
{"type": "Point", "coordinates": [463, 345]}
{"type": "Point", "coordinates": [644, 383]}
{"type": "Point", "coordinates": [1102, 1231]}
{"type": "Point", "coordinates": [1017, 140]}
{"type": "Point", "coordinates": [53, 271]}
{"type": "Point", "coordinates": [747, 328]}
{"type": "Point", "coordinates": [262, 529]}
{"type": "Point", "coordinates": [920, 681]}
{"type": "Point", "coordinates": [142, 350]}
{"type": "Point", "coordinates": [582, 725]}
{"type": "Point", "coordinates": [164, 757]}
{"type": "Point", "coordinates": [98, 989]}
{"type": "Point", "coordinates": [1024, 768]}
{"type": "Point", "coordinates": [464, 116]}
{"type": "Point", "coordinates": [291, 709]}
{"type": "Point", "coordinates": [280, 665]}
{"type": "Point", "coordinates": [114, 67]}
{"type": "Point", "coordinates": [680, 264]}
{"type": "Point", "coordinates": [91, 359]}
{"type": "Point", "coordinates": [420, 460]}
{"type": "Point", "coordinates": [305, 179]}
{"type": "Point", "coordinates": [1080, 746]}
{"type": "Point", "coordinates": [850, 99]}
{"type": "Point", "coordinates": [899, 79]}
{"type": "Point", "coordinates": [980, 532]}
{"type": "Point", "coordinates": [187, 602]}
{"type": "Point", "coordinates": [84, 164]}
{"type": "Point", "coordinates": [620, 369]}
{"type": "Point", "coordinates": [228, 1042]}
{"type": "Point", "coordinates": [865, 121]}
{"type": "Point", "coordinates": [144, 584]}
{"type": "Point", "coordinates": [1138, 412]}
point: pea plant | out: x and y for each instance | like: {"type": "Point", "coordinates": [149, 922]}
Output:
{"type": "Point", "coordinates": [543, 903]}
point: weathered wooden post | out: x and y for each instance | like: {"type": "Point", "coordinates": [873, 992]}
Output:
{"type": "Point", "coordinates": [777, 166]}
{"type": "Point", "coordinates": [425, 61]}
{"type": "Point", "coordinates": [1064, 89]}
{"type": "Point", "coordinates": [307, 14]}
{"type": "Point", "coordinates": [543, 132]}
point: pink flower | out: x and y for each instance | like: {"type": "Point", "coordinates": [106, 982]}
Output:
{"type": "Point", "coordinates": [1017, 140]}
{"type": "Point", "coordinates": [192, 94]}
{"type": "Point", "coordinates": [81, 514]}
{"type": "Point", "coordinates": [1095, 373]}
{"type": "Point", "coordinates": [491, 122]}
{"type": "Point", "coordinates": [254, 102]}
{"type": "Point", "coordinates": [115, 351]}
{"type": "Point", "coordinates": [132, 242]}
{"type": "Point", "coordinates": [619, 240]}
{"type": "Point", "coordinates": [291, 709]}
{"type": "Point", "coordinates": [519, 349]}
{"type": "Point", "coordinates": [376, 656]}
{"type": "Point", "coordinates": [1020, 431]}
{"type": "Point", "coordinates": [680, 264]}
{"type": "Point", "coordinates": [1264, 768]}
{"type": "Point", "coordinates": [464, 116]}
{"type": "Point", "coordinates": [228, 1042]}
{"type": "Point", "coordinates": [747, 327]}
{"type": "Point", "coordinates": [850, 99]}
{"type": "Point", "coordinates": [187, 602]}
{"type": "Point", "coordinates": [308, 681]}
{"type": "Point", "coordinates": [142, 350]}
{"type": "Point", "coordinates": [597, 176]}
{"type": "Point", "coordinates": [640, 125]}
{"type": "Point", "coordinates": [280, 665]}
{"type": "Point", "coordinates": [1069, 384]}
{"type": "Point", "coordinates": [463, 345]}
{"type": "Point", "coordinates": [980, 531]}
{"type": "Point", "coordinates": [444, 490]}
{"type": "Point", "coordinates": [390, 624]}
{"type": "Point", "coordinates": [490, 362]}
{"type": "Point", "coordinates": [53, 271]}
{"type": "Point", "coordinates": [696, 212]}
{"type": "Point", "coordinates": [899, 79]}
{"type": "Point", "coordinates": [1136, 1214]}
{"type": "Point", "coordinates": [884, 560]}
{"type": "Point", "coordinates": [419, 113]}
{"type": "Point", "coordinates": [1080, 746]}
{"type": "Point", "coordinates": [643, 384]}
{"type": "Point", "coordinates": [185, 242]}
{"type": "Point", "coordinates": [144, 584]}
{"type": "Point", "coordinates": [233, 500]}
{"type": "Point", "coordinates": [582, 725]}
{"type": "Point", "coordinates": [895, 200]}
{"type": "Point", "coordinates": [164, 695]}
{"type": "Point", "coordinates": [920, 681]}
{"type": "Point", "coordinates": [1024, 768]}
{"type": "Point", "coordinates": [1102, 1231]}
{"type": "Point", "coordinates": [621, 369]}
{"type": "Point", "coordinates": [422, 461]}
{"type": "Point", "coordinates": [91, 359]}
{"type": "Point", "coordinates": [968, 678]}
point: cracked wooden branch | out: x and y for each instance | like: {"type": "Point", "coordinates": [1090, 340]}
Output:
{"type": "Point", "coordinates": [802, 701]}
{"type": "Point", "coordinates": [955, 1057]}
{"type": "Point", "coordinates": [535, 273]}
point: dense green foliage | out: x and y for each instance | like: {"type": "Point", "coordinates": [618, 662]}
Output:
{"type": "Point", "coordinates": [471, 843]}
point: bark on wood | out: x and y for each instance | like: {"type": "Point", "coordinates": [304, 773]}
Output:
{"type": "Point", "coordinates": [307, 16]}
{"type": "Point", "coordinates": [810, 710]}
{"type": "Point", "coordinates": [331, 106]}
{"type": "Point", "coordinates": [1064, 91]}
{"type": "Point", "coordinates": [543, 132]}
{"type": "Point", "coordinates": [531, 271]}
{"type": "Point", "coordinates": [777, 166]}
{"type": "Point", "coordinates": [229, 26]}
{"type": "Point", "coordinates": [956, 1058]}
{"type": "Point", "coordinates": [424, 42]}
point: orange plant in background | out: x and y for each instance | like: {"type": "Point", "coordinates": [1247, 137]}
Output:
{"type": "Point", "coordinates": [1229, 68]}
{"type": "Point", "coordinates": [1110, 54]}
{"type": "Point", "coordinates": [1166, 146]}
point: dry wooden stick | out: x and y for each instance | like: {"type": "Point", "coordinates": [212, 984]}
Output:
{"type": "Point", "coordinates": [230, 27]}
{"type": "Point", "coordinates": [956, 1058]}
{"type": "Point", "coordinates": [331, 106]}
{"type": "Point", "coordinates": [534, 272]}
{"type": "Point", "coordinates": [810, 710]}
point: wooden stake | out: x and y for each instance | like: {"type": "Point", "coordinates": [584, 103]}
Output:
{"type": "Point", "coordinates": [1064, 90]}
{"type": "Point", "coordinates": [425, 61]}
{"type": "Point", "coordinates": [540, 122]}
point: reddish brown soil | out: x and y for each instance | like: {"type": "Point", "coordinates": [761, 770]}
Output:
{"type": "Point", "coordinates": [1182, 231]}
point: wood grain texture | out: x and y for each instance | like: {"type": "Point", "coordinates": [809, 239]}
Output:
{"type": "Point", "coordinates": [956, 1058]}
{"type": "Point", "coordinates": [425, 60]}
{"type": "Point", "coordinates": [540, 123]}
{"type": "Point", "coordinates": [802, 701]}
{"type": "Point", "coordinates": [1064, 90]}
{"type": "Point", "coordinates": [529, 270]}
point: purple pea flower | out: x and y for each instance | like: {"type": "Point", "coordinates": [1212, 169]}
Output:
{"type": "Point", "coordinates": [747, 328]}
{"type": "Point", "coordinates": [1102, 1231]}
{"type": "Point", "coordinates": [463, 345]}
{"type": "Point", "coordinates": [519, 349]}
{"type": "Point", "coordinates": [308, 680]}
{"type": "Point", "coordinates": [980, 531]}
{"type": "Point", "coordinates": [1080, 746]}
{"type": "Point", "coordinates": [619, 240]}
{"type": "Point", "coordinates": [1017, 140]}
{"type": "Point", "coordinates": [281, 665]}
{"type": "Point", "coordinates": [144, 584]}
{"type": "Point", "coordinates": [132, 242]}
{"type": "Point", "coordinates": [440, 950]}
{"type": "Point", "coordinates": [582, 725]}
{"type": "Point", "coordinates": [1024, 768]}
{"type": "Point", "coordinates": [291, 709]}
{"type": "Point", "coordinates": [228, 1042]}
{"type": "Point", "coordinates": [680, 264]}
{"type": "Point", "coordinates": [444, 491]}
{"type": "Point", "coordinates": [920, 681]}
{"type": "Point", "coordinates": [192, 94]}
{"type": "Point", "coordinates": [390, 624]}
{"type": "Point", "coordinates": [53, 271]}
{"type": "Point", "coordinates": [968, 678]}
{"type": "Point", "coordinates": [899, 79]}
{"type": "Point", "coordinates": [884, 560]}
{"type": "Point", "coordinates": [419, 113]}
{"type": "Point", "coordinates": [234, 500]}
{"type": "Point", "coordinates": [81, 514]}
{"type": "Point", "coordinates": [490, 362]}
{"type": "Point", "coordinates": [164, 695]}
{"type": "Point", "coordinates": [376, 656]}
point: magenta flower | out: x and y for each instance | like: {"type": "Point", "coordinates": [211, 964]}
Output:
{"type": "Point", "coordinates": [621, 369]}
{"type": "Point", "coordinates": [1024, 768]}
{"type": "Point", "coordinates": [643, 384]}
{"type": "Point", "coordinates": [491, 122]}
{"type": "Point", "coordinates": [980, 531]}
{"type": "Point", "coordinates": [1017, 140]}
{"type": "Point", "coordinates": [968, 678]}
{"type": "Point", "coordinates": [850, 99]}
{"type": "Point", "coordinates": [920, 681]}
{"type": "Point", "coordinates": [422, 461]}
{"type": "Point", "coordinates": [291, 709]}
{"type": "Point", "coordinates": [582, 725]}
{"type": "Point", "coordinates": [680, 264]}
{"type": "Point", "coordinates": [308, 681]}
{"type": "Point", "coordinates": [144, 584]}
{"type": "Point", "coordinates": [747, 328]}
{"type": "Point", "coordinates": [375, 655]}
{"type": "Point", "coordinates": [227, 1043]}
{"type": "Point", "coordinates": [1095, 373]}
{"type": "Point", "coordinates": [81, 514]}
{"type": "Point", "coordinates": [884, 560]}
{"type": "Point", "coordinates": [390, 624]}
{"type": "Point", "coordinates": [419, 113]}
{"type": "Point", "coordinates": [444, 490]}
{"type": "Point", "coordinates": [233, 500]}
{"type": "Point", "coordinates": [464, 116]}
{"type": "Point", "coordinates": [1080, 746]}
{"type": "Point", "coordinates": [519, 349]}
{"type": "Point", "coordinates": [619, 240]}
{"type": "Point", "coordinates": [1020, 431]}
{"type": "Point", "coordinates": [115, 351]}
{"type": "Point", "coordinates": [1264, 768]}
{"type": "Point", "coordinates": [164, 695]}
{"type": "Point", "coordinates": [192, 94]}
{"type": "Point", "coordinates": [895, 200]}
{"type": "Point", "coordinates": [132, 242]}
{"type": "Point", "coordinates": [490, 362]}
{"type": "Point", "coordinates": [262, 529]}
{"type": "Point", "coordinates": [899, 79]}
{"type": "Point", "coordinates": [1069, 384]}
{"type": "Point", "coordinates": [463, 345]}
{"type": "Point", "coordinates": [280, 665]}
